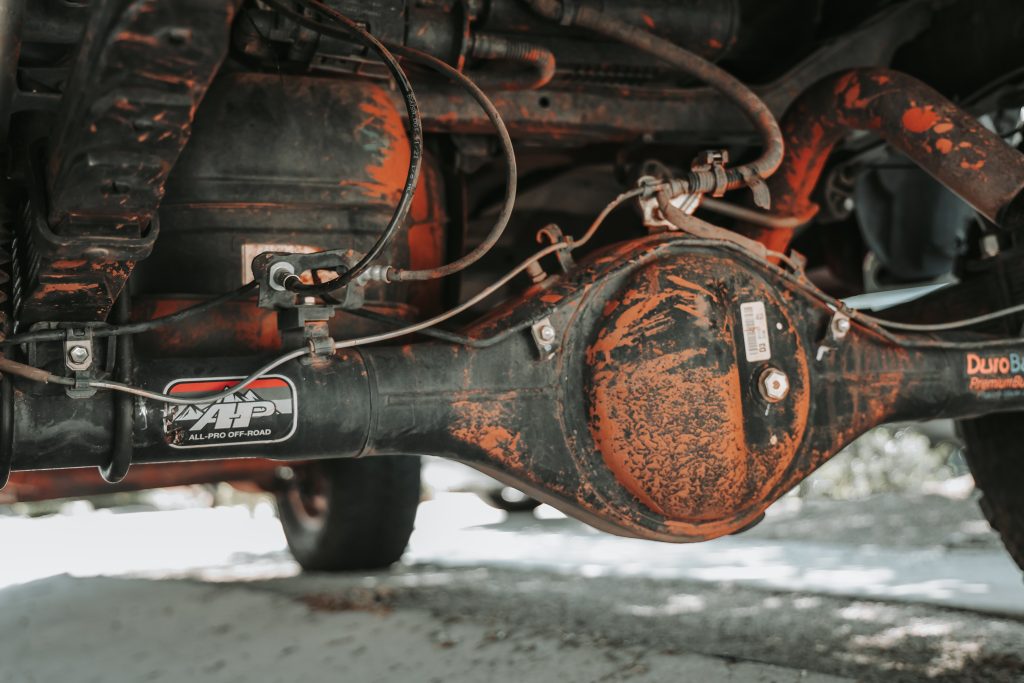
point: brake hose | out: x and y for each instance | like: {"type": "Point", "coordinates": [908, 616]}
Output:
{"type": "Point", "coordinates": [750, 174]}
{"type": "Point", "coordinates": [401, 275]}
{"type": "Point", "coordinates": [349, 28]}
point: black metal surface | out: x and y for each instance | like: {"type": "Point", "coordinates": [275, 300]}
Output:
{"type": "Point", "coordinates": [142, 68]}
{"type": "Point", "coordinates": [446, 30]}
{"type": "Point", "coordinates": [124, 404]}
{"type": "Point", "coordinates": [647, 420]}
{"type": "Point", "coordinates": [314, 164]}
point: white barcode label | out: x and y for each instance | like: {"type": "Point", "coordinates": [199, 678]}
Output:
{"type": "Point", "coordinates": [755, 332]}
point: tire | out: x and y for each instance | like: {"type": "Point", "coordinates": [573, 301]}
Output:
{"type": "Point", "coordinates": [993, 454]}
{"type": "Point", "coordinates": [350, 514]}
{"type": "Point", "coordinates": [500, 498]}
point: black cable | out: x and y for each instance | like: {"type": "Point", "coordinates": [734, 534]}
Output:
{"type": "Point", "coordinates": [134, 328]}
{"type": "Point", "coordinates": [348, 29]}
{"type": "Point", "coordinates": [444, 335]}
{"type": "Point", "coordinates": [511, 178]}
{"type": "Point", "coordinates": [753, 107]}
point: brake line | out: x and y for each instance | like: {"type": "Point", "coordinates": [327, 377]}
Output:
{"type": "Point", "coordinates": [752, 174]}
{"type": "Point", "coordinates": [133, 328]}
{"type": "Point", "coordinates": [40, 375]}
{"type": "Point", "coordinates": [349, 28]}
{"type": "Point", "coordinates": [402, 275]}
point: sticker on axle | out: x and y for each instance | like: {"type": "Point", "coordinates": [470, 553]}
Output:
{"type": "Point", "coordinates": [755, 332]}
{"type": "Point", "coordinates": [266, 411]}
{"type": "Point", "coordinates": [995, 376]}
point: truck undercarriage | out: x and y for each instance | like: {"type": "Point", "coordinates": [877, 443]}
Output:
{"type": "Point", "coordinates": [629, 258]}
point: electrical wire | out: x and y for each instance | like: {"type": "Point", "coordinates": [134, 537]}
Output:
{"type": "Point", "coordinates": [134, 328]}
{"type": "Point", "coordinates": [876, 324]}
{"type": "Point", "coordinates": [371, 339]}
{"type": "Point", "coordinates": [511, 179]}
{"type": "Point", "coordinates": [749, 215]}
{"type": "Point", "coordinates": [445, 335]}
{"type": "Point", "coordinates": [940, 327]}
{"type": "Point", "coordinates": [298, 353]}
{"type": "Point", "coordinates": [349, 28]}
{"type": "Point", "coordinates": [209, 398]}
{"type": "Point", "coordinates": [752, 106]}
{"type": "Point", "coordinates": [612, 205]}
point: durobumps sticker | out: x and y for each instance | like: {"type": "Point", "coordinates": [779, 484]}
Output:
{"type": "Point", "coordinates": [266, 411]}
{"type": "Point", "coordinates": [996, 375]}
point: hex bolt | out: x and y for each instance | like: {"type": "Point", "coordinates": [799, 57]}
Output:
{"type": "Point", "coordinates": [78, 354]}
{"type": "Point", "coordinates": [546, 333]}
{"type": "Point", "coordinates": [774, 385]}
{"type": "Point", "coordinates": [840, 326]}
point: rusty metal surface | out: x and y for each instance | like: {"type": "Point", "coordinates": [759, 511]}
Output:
{"type": "Point", "coordinates": [646, 417]}
{"type": "Point", "coordinates": [141, 72]}
{"type": "Point", "coordinates": [948, 143]}
{"type": "Point", "coordinates": [26, 487]}
{"type": "Point", "coordinates": [692, 115]}
{"type": "Point", "coordinates": [648, 420]}
{"type": "Point", "coordinates": [317, 164]}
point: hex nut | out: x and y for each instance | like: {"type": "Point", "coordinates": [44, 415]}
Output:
{"type": "Point", "coordinates": [78, 354]}
{"type": "Point", "coordinates": [546, 333]}
{"type": "Point", "coordinates": [774, 385]}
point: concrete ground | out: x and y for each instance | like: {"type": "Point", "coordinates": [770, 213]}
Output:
{"type": "Point", "coordinates": [894, 588]}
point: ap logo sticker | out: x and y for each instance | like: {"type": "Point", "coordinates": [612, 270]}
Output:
{"type": "Point", "coordinates": [266, 411]}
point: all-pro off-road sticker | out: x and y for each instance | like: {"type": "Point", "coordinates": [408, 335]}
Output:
{"type": "Point", "coordinates": [266, 411]}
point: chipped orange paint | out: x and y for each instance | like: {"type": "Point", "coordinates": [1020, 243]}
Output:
{"type": "Point", "coordinates": [945, 141]}
{"type": "Point", "coordinates": [919, 119]}
{"type": "Point", "coordinates": [66, 264]}
{"type": "Point", "coordinates": [669, 421]}
{"type": "Point", "coordinates": [390, 160]}
{"type": "Point", "coordinates": [483, 425]}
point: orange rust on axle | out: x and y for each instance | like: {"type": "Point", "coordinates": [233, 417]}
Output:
{"type": "Point", "coordinates": [668, 404]}
{"type": "Point", "coordinates": [915, 119]}
{"type": "Point", "coordinates": [26, 487]}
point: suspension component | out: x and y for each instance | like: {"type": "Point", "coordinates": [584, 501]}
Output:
{"type": "Point", "coordinates": [947, 142]}
{"type": "Point", "coordinates": [124, 119]}
{"type": "Point", "coordinates": [675, 402]}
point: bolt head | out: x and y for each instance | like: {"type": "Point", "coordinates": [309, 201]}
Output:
{"type": "Point", "coordinates": [990, 246]}
{"type": "Point", "coordinates": [546, 333]}
{"type": "Point", "coordinates": [774, 385]}
{"type": "Point", "coordinates": [841, 326]}
{"type": "Point", "coordinates": [78, 354]}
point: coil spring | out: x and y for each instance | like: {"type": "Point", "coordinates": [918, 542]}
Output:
{"type": "Point", "coordinates": [619, 75]}
{"type": "Point", "coordinates": [6, 277]}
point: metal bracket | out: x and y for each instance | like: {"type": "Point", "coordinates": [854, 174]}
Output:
{"type": "Point", "coordinates": [78, 351]}
{"type": "Point", "coordinates": [544, 336]}
{"type": "Point", "coordinates": [272, 269]}
{"type": "Point", "coordinates": [79, 359]}
{"type": "Point", "coordinates": [654, 219]}
{"type": "Point", "coordinates": [838, 328]}
{"type": "Point", "coordinates": [714, 161]}
{"type": "Point", "coordinates": [553, 235]}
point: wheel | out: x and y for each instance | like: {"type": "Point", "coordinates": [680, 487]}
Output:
{"type": "Point", "coordinates": [350, 514]}
{"type": "Point", "coordinates": [509, 499]}
{"type": "Point", "coordinates": [993, 454]}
